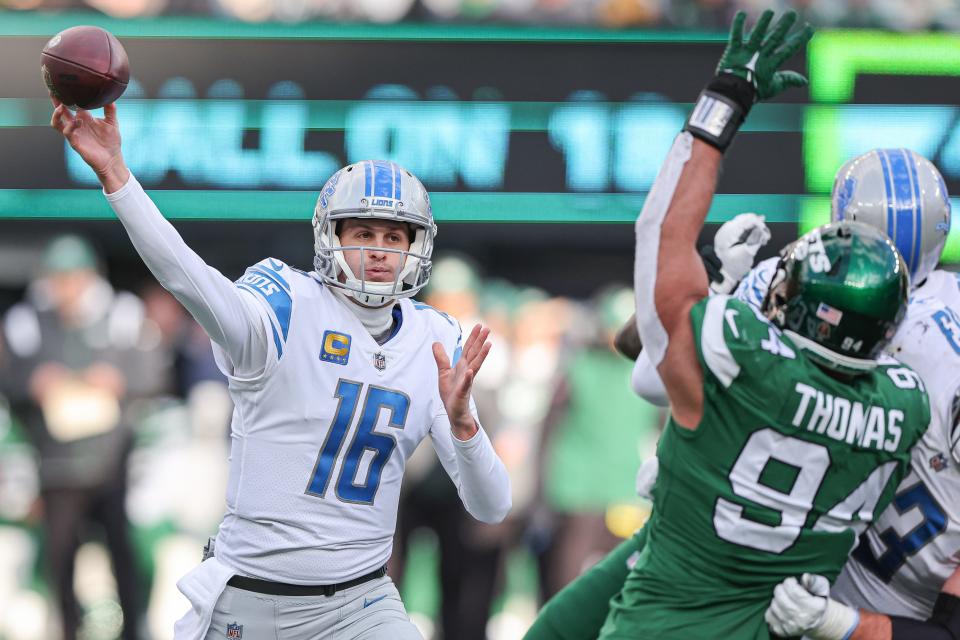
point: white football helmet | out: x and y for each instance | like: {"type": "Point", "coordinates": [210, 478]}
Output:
{"type": "Point", "coordinates": [382, 190]}
{"type": "Point", "coordinates": [902, 194]}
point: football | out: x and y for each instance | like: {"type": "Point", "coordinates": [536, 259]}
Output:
{"type": "Point", "coordinates": [85, 67]}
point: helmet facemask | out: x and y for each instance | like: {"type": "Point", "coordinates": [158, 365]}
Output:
{"type": "Point", "coordinates": [331, 263]}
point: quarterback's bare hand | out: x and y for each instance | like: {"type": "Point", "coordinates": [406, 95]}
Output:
{"type": "Point", "coordinates": [456, 381]}
{"type": "Point", "coordinates": [96, 140]}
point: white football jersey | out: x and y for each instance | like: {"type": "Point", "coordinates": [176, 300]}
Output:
{"type": "Point", "coordinates": [903, 560]}
{"type": "Point", "coordinates": [320, 439]}
{"type": "Point", "coordinates": [940, 285]}
{"type": "Point", "coordinates": [753, 288]}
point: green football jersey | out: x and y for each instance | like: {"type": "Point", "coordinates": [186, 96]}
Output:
{"type": "Point", "coordinates": [787, 467]}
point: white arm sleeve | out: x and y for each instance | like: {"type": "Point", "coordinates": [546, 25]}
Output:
{"type": "Point", "coordinates": [652, 334]}
{"type": "Point", "coordinates": [646, 382]}
{"type": "Point", "coordinates": [231, 317]}
{"type": "Point", "coordinates": [478, 473]}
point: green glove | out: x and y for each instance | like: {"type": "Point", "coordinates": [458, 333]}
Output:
{"type": "Point", "coordinates": [747, 73]}
{"type": "Point", "coordinates": [758, 59]}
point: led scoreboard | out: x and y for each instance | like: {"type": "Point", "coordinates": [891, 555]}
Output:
{"type": "Point", "coordinates": [248, 121]}
{"type": "Point", "coordinates": [241, 122]}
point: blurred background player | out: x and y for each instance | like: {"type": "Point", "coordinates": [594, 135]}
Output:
{"type": "Point", "coordinates": [310, 516]}
{"type": "Point", "coordinates": [583, 511]}
{"type": "Point", "coordinates": [77, 357]}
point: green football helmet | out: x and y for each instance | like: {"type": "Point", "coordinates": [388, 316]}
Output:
{"type": "Point", "coordinates": [839, 293]}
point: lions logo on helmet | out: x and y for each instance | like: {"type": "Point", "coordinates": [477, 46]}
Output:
{"type": "Point", "coordinates": [382, 190]}
{"type": "Point", "coordinates": [839, 294]}
{"type": "Point", "coordinates": [902, 194]}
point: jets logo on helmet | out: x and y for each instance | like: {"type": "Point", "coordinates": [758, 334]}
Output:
{"type": "Point", "coordinates": [839, 294]}
{"type": "Point", "coordinates": [811, 248]}
{"type": "Point", "coordinates": [903, 195]}
{"type": "Point", "coordinates": [381, 190]}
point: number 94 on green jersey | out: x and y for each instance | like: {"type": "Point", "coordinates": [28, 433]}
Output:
{"type": "Point", "coordinates": [788, 464]}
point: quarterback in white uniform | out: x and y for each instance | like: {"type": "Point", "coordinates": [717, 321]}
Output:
{"type": "Point", "coordinates": [334, 384]}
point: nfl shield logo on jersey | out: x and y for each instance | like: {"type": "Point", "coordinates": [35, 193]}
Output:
{"type": "Point", "coordinates": [234, 630]}
{"type": "Point", "coordinates": [380, 361]}
{"type": "Point", "coordinates": [939, 462]}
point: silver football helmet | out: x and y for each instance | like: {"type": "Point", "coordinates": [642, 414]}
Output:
{"type": "Point", "coordinates": [382, 190]}
{"type": "Point", "coordinates": [902, 194]}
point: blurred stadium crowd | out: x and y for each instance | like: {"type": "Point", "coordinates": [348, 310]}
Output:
{"type": "Point", "coordinates": [899, 15]}
{"type": "Point", "coordinates": [113, 412]}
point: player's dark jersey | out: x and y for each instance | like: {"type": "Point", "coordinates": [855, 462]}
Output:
{"type": "Point", "coordinates": [786, 468]}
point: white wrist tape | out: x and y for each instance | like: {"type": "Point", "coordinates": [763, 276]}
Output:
{"type": "Point", "coordinates": [839, 622]}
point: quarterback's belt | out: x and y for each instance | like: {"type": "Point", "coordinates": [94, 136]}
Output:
{"type": "Point", "coordinates": [271, 588]}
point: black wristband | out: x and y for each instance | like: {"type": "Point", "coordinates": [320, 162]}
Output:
{"type": "Point", "coordinates": [943, 624]}
{"type": "Point", "coordinates": [946, 613]}
{"type": "Point", "coordinates": [731, 86]}
{"type": "Point", "coordinates": [909, 629]}
{"type": "Point", "coordinates": [721, 109]}
{"type": "Point", "coordinates": [711, 263]}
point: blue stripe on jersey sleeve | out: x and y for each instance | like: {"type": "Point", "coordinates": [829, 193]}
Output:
{"type": "Point", "coordinates": [419, 306]}
{"type": "Point", "coordinates": [270, 275]}
{"type": "Point", "coordinates": [276, 341]}
{"type": "Point", "coordinates": [273, 329]}
{"type": "Point", "coordinates": [273, 267]}
{"type": "Point", "coordinates": [278, 298]}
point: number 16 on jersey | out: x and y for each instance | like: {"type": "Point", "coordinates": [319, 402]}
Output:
{"type": "Point", "coordinates": [381, 445]}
